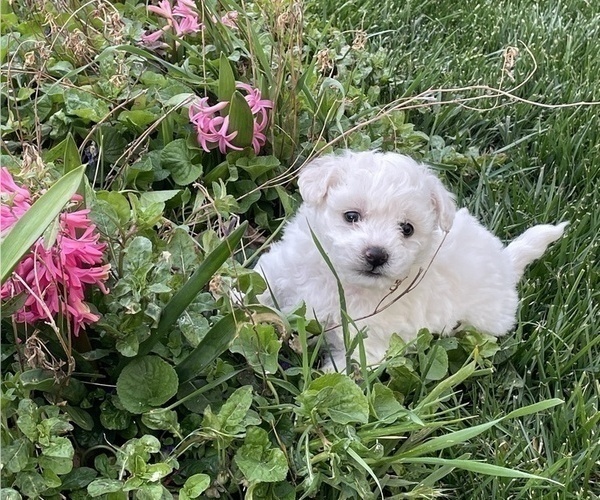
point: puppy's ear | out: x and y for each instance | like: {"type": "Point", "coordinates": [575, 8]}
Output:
{"type": "Point", "coordinates": [443, 203]}
{"type": "Point", "coordinates": [318, 177]}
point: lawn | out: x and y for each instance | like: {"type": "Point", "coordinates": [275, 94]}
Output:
{"type": "Point", "coordinates": [163, 386]}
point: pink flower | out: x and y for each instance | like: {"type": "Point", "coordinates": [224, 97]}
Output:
{"type": "Point", "coordinates": [183, 18]}
{"type": "Point", "coordinates": [54, 280]}
{"type": "Point", "coordinates": [212, 129]}
{"type": "Point", "coordinates": [16, 200]}
{"type": "Point", "coordinates": [163, 9]}
{"type": "Point", "coordinates": [257, 104]}
{"type": "Point", "coordinates": [223, 138]}
{"type": "Point", "coordinates": [229, 19]}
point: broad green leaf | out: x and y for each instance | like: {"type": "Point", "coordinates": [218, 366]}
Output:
{"type": "Point", "coordinates": [336, 395]}
{"type": "Point", "coordinates": [39, 379]}
{"type": "Point", "coordinates": [34, 222]}
{"type": "Point", "coordinates": [66, 151]}
{"type": "Point", "coordinates": [260, 346]}
{"type": "Point", "coordinates": [78, 478]}
{"type": "Point", "coordinates": [111, 141]}
{"type": "Point", "coordinates": [118, 203]}
{"type": "Point", "coordinates": [9, 493]}
{"type": "Point", "coordinates": [28, 419]}
{"type": "Point", "coordinates": [58, 456]}
{"type": "Point", "coordinates": [85, 105]}
{"type": "Point", "coordinates": [435, 362]}
{"type": "Point", "coordinates": [145, 383]}
{"type": "Point", "coordinates": [138, 118]}
{"type": "Point", "coordinates": [113, 417]}
{"type": "Point", "coordinates": [226, 80]}
{"type": "Point", "coordinates": [216, 341]}
{"type": "Point", "coordinates": [161, 419]}
{"type": "Point", "coordinates": [31, 484]}
{"type": "Point", "coordinates": [176, 157]}
{"type": "Point", "coordinates": [103, 486]}
{"type": "Point", "coordinates": [257, 165]}
{"type": "Point", "coordinates": [384, 405]}
{"type": "Point", "coordinates": [150, 197]}
{"type": "Point", "coordinates": [186, 295]}
{"type": "Point", "coordinates": [232, 413]}
{"type": "Point", "coordinates": [15, 455]}
{"type": "Point", "coordinates": [258, 460]}
{"type": "Point", "coordinates": [195, 485]}
{"type": "Point", "coordinates": [80, 417]}
{"type": "Point", "coordinates": [241, 121]}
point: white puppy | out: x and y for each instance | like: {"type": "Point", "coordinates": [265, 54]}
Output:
{"type": "Point", "coordinates": [405, 257]}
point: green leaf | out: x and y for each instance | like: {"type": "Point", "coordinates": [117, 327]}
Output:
{"type": "Point", "coordinates": [84, 105]}
{"type": "Point", "coordinates": [66, 151]}
{"type": "Point", "coordinates": [257, 165]}
{"type": "Point", "coordinates": [187, 294]}
{"type": "Point", "coordinates": [58, 456]}
{"type": "Point", "coordinates": [80, 417]}
{"type": "Point", "coordinates": [146, 383]}
{"type": "Point", "coordinates": [232, 413]}
{"type": "Point", "coordinates": [104, 486]}
{"type": "Point", "coordinates": [78, 478]}
{"type": "Point", "coordinates": [195, 485]}
{"type": "Point", "coordinates": [241, 121]}
{"type": "Point", "coordinates": [31, 484]}
{"type": "Point", "coordinates": [39, 379]}
{"type": "Point", "coordinates": [9, 493]}
{"type": "Point", "coordinates": [15, 455]}
{"type": "Point", "coordinates": [336, 395]}
{"type": "Point", "coordinates": [478, 467]}
{"type": "Point", "coordinates": [258, 460]}
{"type": "Point", "coordinates": [150, 197]}
{"type": "Point", "coordinates": [138, 118]}
{"type": "Point", "coordinates": [435, 362]}
{"type": "Point", "coordinates": [34, 222]}
{"type": "Point", "coordinates": [215, 343]}
{"type": "Point", "coordinates": [161, 419]}
{"type": "Point", "coordinates": [260, 346]}
{"type": "Point", "coordinates": [226, 86]}
{"type": "Point", "coordinates": [118, 203]}
{"type": "Point", "coordinates": [386, 407]}
{"type": "Point", "coordinates": [176, 157]}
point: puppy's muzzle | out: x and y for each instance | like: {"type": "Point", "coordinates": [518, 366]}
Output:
{"type": "Point", "coordinates": [376, 256]}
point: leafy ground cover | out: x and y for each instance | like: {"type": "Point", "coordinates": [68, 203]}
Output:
{"type": "Point", "coordinates": [162, 386]}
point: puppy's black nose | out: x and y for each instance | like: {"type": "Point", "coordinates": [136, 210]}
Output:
{"type": "Point", "coordinates": [376, 256]}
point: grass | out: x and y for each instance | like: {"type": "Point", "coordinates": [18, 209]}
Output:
{"type": "Point", "coordinates": [551, 174]}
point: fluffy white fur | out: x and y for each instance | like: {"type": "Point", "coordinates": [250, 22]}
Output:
{"type": "Point", "coordinates": [471, 281]}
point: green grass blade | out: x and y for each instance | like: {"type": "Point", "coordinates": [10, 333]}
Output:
{"type": "Point", "coordinates": [445, 385]}
{"type": "Point", "coordinates": [188, 292]}
{"type": "Point", "coordinates": [533, 408]}
{"type": "Point", "coordinates": [478, 467]}
{"type": "Point", "coordinates": [34, 222]}
{"type": "Point", "coordinates": [447, 440]}
{"type": "Point", "coordinates": [215, 343]}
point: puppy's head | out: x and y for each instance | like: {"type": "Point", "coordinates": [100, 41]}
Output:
{"type": "Point", "coordinates": [376, 214]}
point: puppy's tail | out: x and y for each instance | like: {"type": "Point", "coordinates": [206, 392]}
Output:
{"type": "Point", "coordinates": [532, 244]}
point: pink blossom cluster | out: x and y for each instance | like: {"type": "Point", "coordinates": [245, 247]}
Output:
{"type": "Point", "coordinates": [54, 279]}
{"type": "Point", "coordinates": [213, 129]}
{"type": "Point", "coordinates": [182, 17]}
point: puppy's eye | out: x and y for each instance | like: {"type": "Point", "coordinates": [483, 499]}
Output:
{"type": "Point", "coordinates": [351, 216]}
{"type": "Point", "coordinates": [407, 229]}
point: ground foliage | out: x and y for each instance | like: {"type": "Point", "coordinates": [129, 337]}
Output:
{"type": "Point", "coordinates": [179, 391]}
